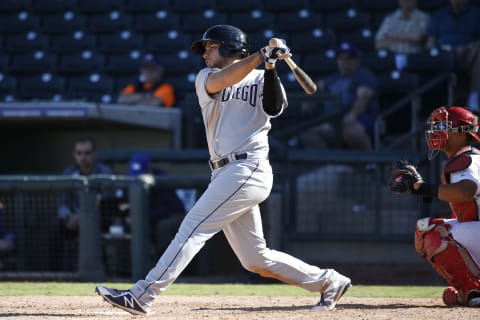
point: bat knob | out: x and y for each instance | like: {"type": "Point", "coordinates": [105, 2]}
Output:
{"type": "Point", "coordinates": [274, 42]}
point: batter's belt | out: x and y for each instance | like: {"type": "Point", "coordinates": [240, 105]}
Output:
{"type": "Point", "coordinates": [223, 161]}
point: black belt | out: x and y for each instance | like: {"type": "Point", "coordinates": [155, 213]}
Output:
{"type": "Point", "coordinates": [220, 163]}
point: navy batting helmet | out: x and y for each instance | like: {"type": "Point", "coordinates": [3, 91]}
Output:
{"type": "Point", "coordinates": [233, 41]}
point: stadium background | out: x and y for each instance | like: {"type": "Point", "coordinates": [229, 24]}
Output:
{"type": "Point", "coordinates": [63, 62]}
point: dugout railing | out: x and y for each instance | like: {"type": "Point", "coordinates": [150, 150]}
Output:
{"type": "Point", "coordinates": [317, 196]}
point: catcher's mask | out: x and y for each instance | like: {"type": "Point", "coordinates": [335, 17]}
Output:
{"type": "Point", "coordinates": [443, 120]}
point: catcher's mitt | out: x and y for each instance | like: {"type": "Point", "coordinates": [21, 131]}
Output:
{"type": "Point", "coordinates": [404, 175]}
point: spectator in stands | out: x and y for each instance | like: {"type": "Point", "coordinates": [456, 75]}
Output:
{"type": "Point", "coordinates": [7, 240]}
{"type": "Point", "coordinates": [457, 28]}
{"type": "Point", "coordinates": [357, 89]}
{"type": "Point", "coordinates": [403, 31]}
{"type": "Point", "coordinates": [166, 209]}
{"type": "Point", "coordinates": [150, 89]}
{"type": "Point", "coordinates": [68, 213]}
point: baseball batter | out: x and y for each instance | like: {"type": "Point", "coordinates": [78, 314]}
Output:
{"type": "Point", "coordinates": [237, 102]}
{"type": "Point", "coordinates": [450, 245]}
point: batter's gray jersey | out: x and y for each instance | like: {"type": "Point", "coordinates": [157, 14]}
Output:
{"type": "Point", "coordinates": [234, 118]}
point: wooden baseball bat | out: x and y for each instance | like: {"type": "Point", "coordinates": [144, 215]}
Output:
{"type": "Point", "coordinates": [308, 85]}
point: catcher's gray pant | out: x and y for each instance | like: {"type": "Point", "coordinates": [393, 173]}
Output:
{"type": "Point", "coordinates": [230, 203]}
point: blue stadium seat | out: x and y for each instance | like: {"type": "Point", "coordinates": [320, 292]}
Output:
{"type": "Point", "coordinates": [107, 22]}
{"type": "Point", "coordinates": [25, 42]}
{"type": "Point", "coordinates": [42, 7]}
{"type": "Point", "coordinates": [191, 6]}
{"type": "Point", "coordinates": [237, 7]}
{"type": "Point", "coordinates": [123, 41]}
{"type": "Point", "coordinates": [379, 61]}
{"type": "Point", "coordinates": [79, 62]}
{"type": "Point", "coordinates": [18, 22]}
{"type": "Point", "coordinates": [193, 22]}
{"type": "Point", "coordinates": [375, 6]}
{"type": "Point", "coordinates": [97, 6]}
{"type": "Point", "coordinates": [72, 42]}
{"type": "Point", "coordinates": [44, 86]}
{"type": "Point", "coordinates": [430, 63]}
{"type": "Point", "coordinates": [94, 87]}
{"type": "Point", "coordinates": [252, 21]}
{"type": "Point", "coordinates": [320, 64]}
{"type": "Point", "coordinates": [31, 62]}
{"type": "Point", "coordinates": [145, 6]}
{"type": "Point", "coordinates": [331, 6]}
{"type": "Point", "coordinates": [8, 87]}
{"type": "Point", "coordinates": [260, 38]}
{"type": "Point", "coordinates": [180, 62]}
{"type": "Point", "coordinates": [276, 6]}
{"type": "Point", "coordinates": [347, 21]}
{"type": "Point", "coordinates": [155, 21]}
{"type": "Point", "coordinates": [300, 21]}
{"type": "Point", "coordinates": [432, 5]}
{"type": "Point", "coordinates": [123, 63]}
{"type": "Point", "coordinates": [58, 23]}
{"type": "Point", "coordinates": [167, 42]}
{"type": "Point", "coordinates": [315, 40]}
{"type": "Point", "coordinates": [14, 6]}
{"type": "Point", "coordinates": [363, 39]}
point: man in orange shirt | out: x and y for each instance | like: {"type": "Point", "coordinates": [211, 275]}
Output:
{"type": "Point", "coordinates": [150, 89]}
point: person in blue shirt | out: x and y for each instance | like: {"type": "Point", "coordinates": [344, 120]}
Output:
{"type": "Point", "coordinates": [357, 89]}
{"type": "Point", "coordinates": [456, 28]}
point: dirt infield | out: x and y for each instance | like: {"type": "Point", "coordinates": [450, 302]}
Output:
{"type": "Point", "coordinates": [219, 307]}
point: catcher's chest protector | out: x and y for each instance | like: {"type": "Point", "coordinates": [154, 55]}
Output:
{"type": "Point", "coordinates": [464, 211]}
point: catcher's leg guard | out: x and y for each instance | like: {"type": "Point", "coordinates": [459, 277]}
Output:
{"type": "Point", "coordinates": [449, 258]}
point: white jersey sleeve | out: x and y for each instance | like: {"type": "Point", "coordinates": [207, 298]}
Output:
{"type": "Point", "coordinates": [472, 173]}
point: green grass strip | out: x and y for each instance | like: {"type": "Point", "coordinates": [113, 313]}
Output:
{"type": "Point", "coordinates": [227, 289]}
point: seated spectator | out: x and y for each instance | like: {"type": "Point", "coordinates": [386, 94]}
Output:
{"type": "Point", "coordinates": [166, 209]}
{"type": "Point", "coordinates": [150, 89]}
{"type": "Point", "coordinates": [457, 28]}
{"type": "Point", "coordinates": [357, 89]}
{"type": "Point", "coordinates": [68, 213]}
{"type": "Point", "coordinates": [403, 31]}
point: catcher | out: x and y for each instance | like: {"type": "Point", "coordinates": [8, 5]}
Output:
{"type": "Point", "coordinates": [450, 245]}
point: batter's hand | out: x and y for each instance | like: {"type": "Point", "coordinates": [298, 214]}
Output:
{"type": "Point", "coordinates": [404, 176]}
{"type": "Point", "coordinates": [271, 54]}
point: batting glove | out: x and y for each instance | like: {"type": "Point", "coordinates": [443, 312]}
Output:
{"type": "Point", "coordinates": [270, 54]}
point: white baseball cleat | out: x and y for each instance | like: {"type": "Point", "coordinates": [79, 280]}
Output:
{"type": "Point", "coordinates": [122, 299]}
{"type": "Point", "coordinates": [336, 289]}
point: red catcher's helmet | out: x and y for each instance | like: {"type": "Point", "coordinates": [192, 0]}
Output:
{"type": "Point", "coordinates": [443, 120]}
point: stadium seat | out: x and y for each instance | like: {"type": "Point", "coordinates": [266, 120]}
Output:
{"type": "Point", "coordinates": [252, 21]}
{"type": "Point", "coordinates": [300, 21]}
{"type": "Point", "coordinates": [121, 81]}
{"type": "Point", "coordinates": [432, 5]}
{"type": "Point", "coordinates": [191, 6]}
{"type": "Point", "coordinates": [8, 87]}
{"type": "Point", "coordinates": [72, 42]}
{"type": "Point", "coordinates": [430, 63]}
{"type": "Point", "coordinates": [330, 6]}
{"type": "Point", "coordinates": [260, 38]}
{"type": "Point", "coordinates": [25, 42]}
{"type": "Point", "coordinates": [236, 7]}
{"type": "Point", "coordinates": [375, 6]}
{"type": "Point", "coordinates": [80, 62]}
{"type": "Point", "coordinates": [315, 40]}
{"type": "Point", "coordinates": [94, 87]}
{"type": "Point", "coordinates": [42, 7]}
{"type": "Point", "coordinates": [123, 41]}
{"type": "Point", "coordinates": [184, 84]}
{"type": "Point", "coordinates": [320, 64]}
{"type": "Point", "coordinates": [144, 6]}
{"type": "Point", "coordinates": [107, 22]}
{"type": "Point", "coordinates": [167, 42]}
{"type": "Point", "coordinates": [347, 21]}
{"type": "Point", "coordinates": [97, 6]}
{"type": "Point", "coordinates": [123, 63]}
{"type": "Point", "coordinates": [14, 6]}
{"type": "Point", "coordinates": [193, 22]}
{"type": "Point", "coordinates": [180, 62]}
{"type": "Point", "coordinates": [31, 62]}
{"type": "Point", "coordinates": [276, 6]}
{"type": "Point", "coordinates": [58, 23]}
{"type": "Point", "coordinates": [379, 61]}
{"type": "Point", "coordinates": [18, 22]}
{"type": "Point", "coordinates": [45, 86]}
{"type": "Point", "coordinates": [155, 21]}
{"type": "Point", "coordinates": [363, 39]}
